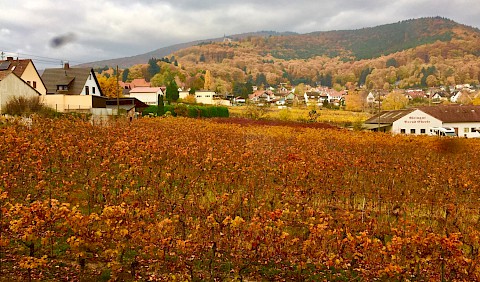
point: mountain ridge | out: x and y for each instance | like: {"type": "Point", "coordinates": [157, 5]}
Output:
{"type": "Point", "coordinates": [126, 62]}
{"type": "Point", "coordinates": [354, 44]}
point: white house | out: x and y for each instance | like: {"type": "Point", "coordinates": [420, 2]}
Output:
{"type": "Point", "coordinates": [463, 119]}
{"type": "Point", "coordinates": [148, 95]}
{"type": "Point", "coordinates": [210, 98]}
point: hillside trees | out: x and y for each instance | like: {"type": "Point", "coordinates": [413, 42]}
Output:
{"type": "Point", "coordinates": [242, 89]}
{"type": "Point", "coordinates": [153, 68]}
{"type": "Point", "coordinates": [394, 101]}
{"type": "Point", "coordinates": [275, 59]}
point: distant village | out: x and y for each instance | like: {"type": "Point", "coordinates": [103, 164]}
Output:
{"type": "Point", "coordinates": [72, 89]}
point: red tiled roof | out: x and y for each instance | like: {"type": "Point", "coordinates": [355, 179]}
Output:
{"type": "Point", "coordinates": [18, 66]}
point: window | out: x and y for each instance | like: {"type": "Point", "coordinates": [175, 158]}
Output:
{"type": "Point", "coordinates": [93, 90]}
{"type": "Point", "coordinates": [422, 131]}
{"type": "Point", "coordinates": [87, 90]}
{"type": "Point", "coordinates": [402, 131]}
{"type": "Point", "coordinates": [35, 84]}
{"type": "Point", "coordinates": [90, 76]}
{"type": "Point", "coordinates": [412, 131]}
{"type": "Point", "coordinates": [466, 130]}
{"type": "Point", "coordinates": [29, 82]}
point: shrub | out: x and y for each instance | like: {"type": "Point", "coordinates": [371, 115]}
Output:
{"type": "Point", "coordinates": [193, 111]}
{"type": "Point", "coordinates": [181, 110]}
{"type": "Point", "coordinates": [23, 106]}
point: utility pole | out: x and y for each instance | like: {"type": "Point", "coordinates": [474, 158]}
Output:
{"type": "Point", "coordinates": [378, 111]}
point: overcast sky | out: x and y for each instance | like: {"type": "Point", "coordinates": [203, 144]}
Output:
{"type": "Point", "coordinates": [82, 31]}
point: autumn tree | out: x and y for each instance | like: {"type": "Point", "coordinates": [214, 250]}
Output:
{"type": "Point", "coordinates": [208, 81]}
{"type": "Point", "coordinates": [356, 101]}
{"type": "Point", "coordinates": [109, 86]}
{"type": "Point", "coordinates": [300, 89]}
{"type": "Point", "coordinates": [431, 80]}
{"type": "Point", "coordinates": [394, 101]}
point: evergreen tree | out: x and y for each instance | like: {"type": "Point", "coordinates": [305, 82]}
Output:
{"type": "Point", "coordinates": [261, 79]}
{"type": "Point", "coordinates": [125, 74]}
{"type": "Point", "coordinates": [160, 106]}
{"type": "Point", "coordinates": [363, 76]}
{"type": "Point", "coordinates": [172, 91]}
{"type": "Point", "coordinates": [153, 68]}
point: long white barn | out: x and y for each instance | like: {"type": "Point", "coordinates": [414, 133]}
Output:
{"type": "Point", "coordinates": [463, 119]}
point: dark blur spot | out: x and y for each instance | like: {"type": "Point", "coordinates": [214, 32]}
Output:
{"type": "Point", "coordinates": [61, 40]}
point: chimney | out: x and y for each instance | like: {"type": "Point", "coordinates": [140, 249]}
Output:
{"type": "Point", "coordinates": [9, 58]}
{"type": "Point", "coordinates": [66, 66]}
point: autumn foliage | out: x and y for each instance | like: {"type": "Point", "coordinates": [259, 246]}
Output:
{"type": "Point", "coordinates": [206, 200]}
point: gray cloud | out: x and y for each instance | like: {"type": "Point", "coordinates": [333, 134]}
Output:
{"type": "Point", "coordinates": [117, 28]}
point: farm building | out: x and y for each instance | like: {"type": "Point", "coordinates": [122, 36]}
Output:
{"type": "Point", "coordinates": [462, 118]}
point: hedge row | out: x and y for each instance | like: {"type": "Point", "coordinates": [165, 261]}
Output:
{"type": "Point", "coordinates": [191, 111]}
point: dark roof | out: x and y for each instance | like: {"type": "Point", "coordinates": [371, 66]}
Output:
{"type": "Point", "coordinates": [127, 101]}
{"type": "Point", "coordinates": [449, 114]}
{"type": "Point", "coordinates": [75, 78]}
{"type": "Point", "coordinates": [389, 116]}
{"type": "Point", "coordinates": [454, 113]}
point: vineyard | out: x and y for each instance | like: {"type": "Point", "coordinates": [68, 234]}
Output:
{"type": "Point", "coordinates": [177, 199]}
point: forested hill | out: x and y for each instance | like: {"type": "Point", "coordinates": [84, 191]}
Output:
{"type": "Point", "coordinates": [368, 43]}
{"type": "Point", "coordinates": [424, 52]}
{"type": "Point", "coordinates": [166, 51]}
{"type": "Point", "coordinates": [365, 43]}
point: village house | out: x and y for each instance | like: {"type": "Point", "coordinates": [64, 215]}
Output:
{"type": "Point", "coordinates": [73, 89]}
{"type": "Point", "coordinates": [415, 94]}
{"type": "Point", "coordinates": [462, 96]}
{"type": "Point", "coordinates": [370, 98]}
{"type": "Point", "coordinates": [25, 69]}
{"type": "Point", "coordinates": [148, 95]}
{"type": "Point", "coordinates": [462, 118]}
{"type": "Point", "coordinates": [12, 86]}
{"type": "Point", "coordinates": [137, 82]}
{"type": "Point", "coordinates": [439, 97]}
{"type": "Point", "coordinates": [262, 96]}
{"type": "Point", "coordinates": [314, 97]}
{"type": "Point", "coordinates": [210, 98]}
